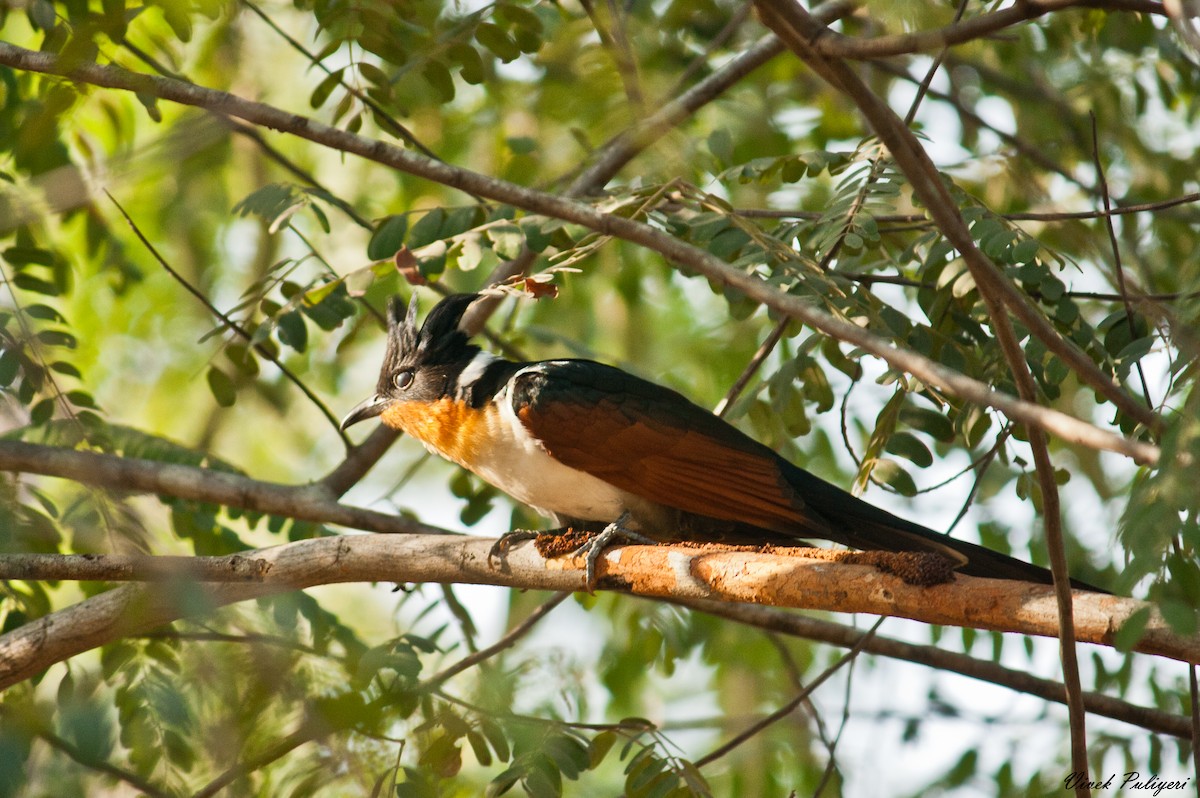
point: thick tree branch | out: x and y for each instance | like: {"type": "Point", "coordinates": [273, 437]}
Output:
{"type": "Point", "coordinates": [672, 572]}
{"type": "Point", "coordinates": [678, 252]}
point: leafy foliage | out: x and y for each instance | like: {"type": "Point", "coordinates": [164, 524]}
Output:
{"type": "Point", "coordinates": [230, 348]}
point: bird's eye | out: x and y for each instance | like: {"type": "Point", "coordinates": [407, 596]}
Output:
{"type": "Point", "coordinates": [404, 379]}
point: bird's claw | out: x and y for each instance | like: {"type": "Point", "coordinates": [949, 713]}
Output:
{"type": "Point", "coordinates": [592, 550]}
{"type": "Point", "coordinates": [505, 542]}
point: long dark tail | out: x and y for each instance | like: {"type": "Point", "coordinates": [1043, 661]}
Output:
{"type": "Point", "coordinates": [863, 526]}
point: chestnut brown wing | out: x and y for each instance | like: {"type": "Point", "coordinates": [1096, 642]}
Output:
{"type": "Point", "coordinates": [653, 442]}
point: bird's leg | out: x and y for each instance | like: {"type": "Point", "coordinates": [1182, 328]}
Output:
{"type": "Point", "coordinates": [594, 547]}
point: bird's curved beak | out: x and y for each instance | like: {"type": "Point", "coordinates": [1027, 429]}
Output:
{"type": "Point", "coordinates": [368, 408]}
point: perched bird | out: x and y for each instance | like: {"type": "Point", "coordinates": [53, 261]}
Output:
{"type": "Point", "coordinates": [593, 446]}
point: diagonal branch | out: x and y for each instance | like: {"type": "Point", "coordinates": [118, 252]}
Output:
{"type": "Point", "coordinates": [791, 23]}
{"type": "Point", "coordinates": [798, 29]}
{"type": "Point", "coordinates": [625, 146]}
{"type": "Point", "coordinates": [787, 19]}
{"type": "Point", "coordinates": [678, 252]}
{"type": "Point", "coordinates": [307, 503]}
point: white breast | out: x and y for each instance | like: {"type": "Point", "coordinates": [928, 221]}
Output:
{"type": "Point", "coordinates": [516, 463]}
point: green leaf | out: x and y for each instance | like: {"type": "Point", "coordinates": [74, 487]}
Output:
{"type": "Point", "coordinates": [438, 77]}
{"type": "Point", "coordinates": [388, 237]}
{"type": "Point", "coordinates": [1136, 350]}
{"type": "Point", "coordinates": [321, 94]}
{"type": "Point", "coordinates": [470, 64]}
{"type": "Point", "coordinates": [519, 16]}
{"type": "Point", "coordinates": [42, 412]}
{"type": "Point", "coordinates": [114, 657]}
{"type": "Point", "coordinates": [521, 145]}
{"type": "Point", "coordinates": [28, 282]}
{"type": "Point", "coordinates": [42, 14]}
{"type": "Point", "coordinates": [1025, 251]}
{"type": "Point", "coordinates": [427, 229]}
{"type": "Point", "coordinates": [504, 782]}
{"type": "Point", "coordinates": [443, 757]}
{"type": "Point", "coordinates": [179, 751]}
{"type": "Point", "coordinates": [496, 738]}
{"type": "Point", "coordinates": [26, 256]}
{"type": "Point", "coordinates": [568, 753]}
{"type": "Point", "coordinates": [222, 387]}
{"type": "Point", "coordinates": [57, 338]}
{"type": "Point", "coordinates": [292, 331]}
{"type": "Point", "coordinates": [150, 103]}
{"type": "Point", "coordinates": [599, 747]}
{"type": "Point", "coordinates": [931, 422]}
{"type": "Point", "coordinates": [910, 448]}
{"type": "Point", "coordinates": [373, 73]}
{"type": "Point", "coordinates": [178, 16]}
{"type": "Point", "coordinates": [720, 144]}
{"type": "Point", "coordinates": [479, 747]}
{"type": "Point", "coordinates": [890, 473]}
{"type": "Point", "coordinates": [81, 399]}
{"type": "Point", "coordinates": [1180, 616]}
{"type": "Point", "coordinates": [494, 38]}
{"type": "Point", "coordinates": [507, 240]}
{"type": "Point", "coordinates": [45, 313]}
{"type": "Point", "coordinates": [10, 364]}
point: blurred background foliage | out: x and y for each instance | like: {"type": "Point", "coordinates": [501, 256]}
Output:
{"type": "Point", "coordinates": [125, 222]}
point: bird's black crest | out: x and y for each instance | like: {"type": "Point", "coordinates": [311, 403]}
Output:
{"type": "Point", "coordinates": [439, 341]}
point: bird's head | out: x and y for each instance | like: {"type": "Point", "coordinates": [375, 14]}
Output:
{"type": "Point", "coordinates": [420, 365]}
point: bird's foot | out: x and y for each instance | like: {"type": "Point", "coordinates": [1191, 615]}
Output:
{"type": "Point", "coordinates": [505, 542]}
{"type": "Point", "coordinates": [597, 544]}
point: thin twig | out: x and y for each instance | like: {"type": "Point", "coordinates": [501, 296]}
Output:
{"type": "Point", "coordinates": [615, 42]}
{"type": "Point", "coordinates": [232, 325]}
{"type": "Point", "coordinates": [735, 22]}
{"type": "Point", "coordinates": [1099, 296]}
{"type": "Point", "coordinates": [1118, 267]}
{"type": "Point", "coordinates": [505, 642]}
{"type": "Point", "coordinates": [466, 624]}
{"type": "Point", "coordinates": [752, 367]}
{"type": "Point", "coordinates": [1016, 216]}
{"type": "Point", "coordinates": [1052, 515]}
{"type": "Point", "coordinates": [308, 731]}
{"type": "Point", "coordinates": [790, 706]}
{"type": "Point", "coordinates": [132, 779]}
